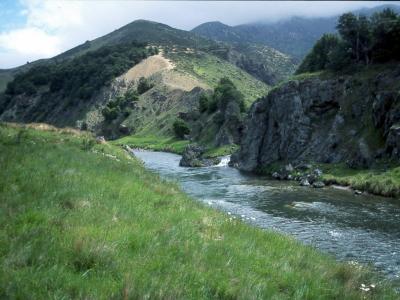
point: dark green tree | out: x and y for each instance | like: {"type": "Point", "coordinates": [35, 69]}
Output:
{"type": "Point", "coordinates": [226, 92]}
{"type": "Point", "coordinates": [385, 35]}
{"type": "Point", "coordinates": [180, 128]}
{"type": "Point", "coordinates": [203, 103]}
{"type": "Point", "coordinates": [318, 58]}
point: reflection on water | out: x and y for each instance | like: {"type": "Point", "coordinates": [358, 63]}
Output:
{"type": "Point", "coordinates": [360, 228]}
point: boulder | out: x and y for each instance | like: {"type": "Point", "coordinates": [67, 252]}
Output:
{"type": "Point", "coordinates": [317, 172]}
{"type": "Point", "coordinates": [192, 157]}
{"type": "Point", "coordinates": [289, 168]}
{"type": "Point", "coordinates": [304, 182]}
{"type": "Point", "coordinates": [100, 140]}
{"type": "Point", "coordinates": [318, 184]}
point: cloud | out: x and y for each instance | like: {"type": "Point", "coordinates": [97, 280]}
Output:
{"type": "Point", "coordinates": [30, 41]}
{"type": "Point", "coordinates": [54, 26]}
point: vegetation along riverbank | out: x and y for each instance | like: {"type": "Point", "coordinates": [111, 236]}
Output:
{"type": "Point", "coordinates": [81, 219]}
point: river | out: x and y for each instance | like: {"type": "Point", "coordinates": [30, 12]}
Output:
{"type": "Point", "coordinates": [359, 228]}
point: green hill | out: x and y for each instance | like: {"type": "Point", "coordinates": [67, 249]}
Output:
{"type": "Point", "coordinates": [73, 88]}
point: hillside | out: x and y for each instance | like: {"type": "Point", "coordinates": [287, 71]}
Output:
{"type": "Point", "coordinates": [86, 220]}
{"type": "Point", "coordinates": [76, 87]}
{"type": "Point", "coordinates": [293, 37]}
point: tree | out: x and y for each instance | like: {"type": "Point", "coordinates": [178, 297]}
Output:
{"type": "Point", "coordinates": [362, 40]}
{"type": "Point", "coordinates": [385, 27]}
{"type": "Point", "coordinates": [180, 128]}
{"type": "Point", "coordinates": [318, 58]}
{"type": "Point", "coordinates": [203, 103]}
{"type": "Point", "coordinates": [348, 30]}
{"type": "Point", "coordinates": [355, 30]}
{"type": "Point", "coordinates": [226, 92]}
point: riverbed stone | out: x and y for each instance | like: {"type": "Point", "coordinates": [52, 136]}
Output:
{"type": "Point", "coordinates": [304, 182]}
{"type": "Point", "coordinates": [318, 184]}
{"type": "Point", "coordinates": [193, 157]}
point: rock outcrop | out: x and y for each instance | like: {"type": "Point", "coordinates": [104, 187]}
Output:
{"type": "Point", "coordinates": [350, 119]}
{"type": "Point", "coordinates": [193, 157]}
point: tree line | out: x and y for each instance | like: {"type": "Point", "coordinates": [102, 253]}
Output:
{"type": "Point", "coordinates": [79, 78]}
{"type": "Point", "coordinates": [361, 40]}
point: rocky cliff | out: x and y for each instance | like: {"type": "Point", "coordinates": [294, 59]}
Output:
{"type": "Point", "coordinates": [329, 119]}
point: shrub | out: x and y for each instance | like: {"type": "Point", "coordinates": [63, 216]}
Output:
{"type": "Point", "coordinates": [88, 144]}
{"type": "Point", "coordinates": [203, 103]}
{"type": "Point", "coordinates": [180, 128]}
{"type": "Point", "coordinates": [131, 96]}
{"type": "Point", "coordinates": [143, 85]}
{"type": "Point", "coordinates": [110, 113]}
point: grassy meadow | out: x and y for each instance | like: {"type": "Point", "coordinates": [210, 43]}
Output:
{"type": "Point", "coordinates": [81, 220]}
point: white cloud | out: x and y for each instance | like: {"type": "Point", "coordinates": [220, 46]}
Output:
{"type": "Point", "coordinates": [55, 26]}
{"type": "Point", "coordinates": [27, 44]}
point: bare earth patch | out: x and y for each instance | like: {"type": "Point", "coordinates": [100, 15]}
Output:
{"type": "Point", "coordinates": [148, 67]}
{"type": "Point", "coordinates": [172, 78]}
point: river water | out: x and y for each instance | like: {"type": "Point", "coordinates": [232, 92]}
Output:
{"type": "Point", "coordinates": [364, 229]}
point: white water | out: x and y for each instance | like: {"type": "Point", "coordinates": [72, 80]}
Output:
{"type": "Point", "coordinates": [224, 161]}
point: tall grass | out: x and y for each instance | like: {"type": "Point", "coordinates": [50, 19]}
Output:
{"type": "Point", "coordinates": [378, 180]}
{"type": "Point", "coordinates": [91, 223]}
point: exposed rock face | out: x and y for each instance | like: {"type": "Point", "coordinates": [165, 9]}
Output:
{"type": "Point", "coordinates": [230, 130]}
{"type": "Point", "coordinates": [192, 157]}
{"type": "Point", "coordinates": [344, 119]}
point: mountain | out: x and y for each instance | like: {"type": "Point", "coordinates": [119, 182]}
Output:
{"type": "Point", "coordinates": [95, 86]}
{"type": "Point", "coordinates": [294, 37]}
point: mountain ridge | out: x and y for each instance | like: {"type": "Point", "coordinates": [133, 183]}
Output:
{"type": "Point", "coordinates": [300, 31]}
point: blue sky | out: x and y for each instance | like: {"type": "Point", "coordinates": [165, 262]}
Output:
{"type": "Point", "coordinates": [34, 29]}
{"type": "Point", "coordinates": [11, 14]}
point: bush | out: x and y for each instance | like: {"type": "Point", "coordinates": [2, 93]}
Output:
{"type": "Point", "coordinates": [203, 103]}
{"type": "Point", "coordinates": [131, 96]}
{"type": "Point", "coordinates": [227, 92]}
{"type": "Point", "coordinates": [143, 85]}
{"type": "Point", "coordinates": [110, 113]}
{"type": "Point", "coordinates": [180, 128]}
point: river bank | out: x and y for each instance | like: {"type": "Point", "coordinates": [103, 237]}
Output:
{"type": "Point", "coordinates": [85, 220]}
{"type": "Point", "coordinates": [381, 179]}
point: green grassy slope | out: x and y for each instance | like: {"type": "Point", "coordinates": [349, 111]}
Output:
{"type": "Point", "coordinates": [211, 69]}
{"type": "Point", "coordinates": [84, 220]}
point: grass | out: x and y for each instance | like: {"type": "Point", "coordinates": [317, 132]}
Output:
{"type": "Point", "coordinates": [379, 180]}
{"type": "Point", "coordinates": [221, 151]}
{"type": "Point", "coordinates": [167, 144]}
{"type": "Point", "coordinates": [85, 220]}
{"type": "Point", "coordinates": [208, 69]}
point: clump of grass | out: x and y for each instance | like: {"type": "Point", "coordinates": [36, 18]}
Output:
{"type": "Point", "coordinates": [128, 234]}
{"type": "Point", "coordinates": [88, 143]}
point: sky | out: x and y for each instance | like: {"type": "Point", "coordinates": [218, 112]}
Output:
{"type": "Point", "coordinates": [34, 29]}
